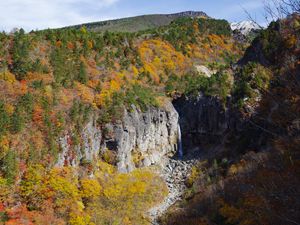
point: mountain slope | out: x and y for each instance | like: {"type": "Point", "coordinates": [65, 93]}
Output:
{"type": "Point", "coordinates": [77, 107]}
{"type": "Point", "coordinates": [139, 23]}
{"type": "Point", "coordinates": [254, 177]}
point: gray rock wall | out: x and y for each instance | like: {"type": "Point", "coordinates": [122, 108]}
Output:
{"type": "Point", "coordinates": [203, 120]}
{"type": "Point", "coordinates": [150, 135]}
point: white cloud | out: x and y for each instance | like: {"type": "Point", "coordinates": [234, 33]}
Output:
{"type": "Point", "coordinates": [40, 14]}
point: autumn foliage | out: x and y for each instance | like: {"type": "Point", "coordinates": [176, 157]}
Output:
{"type": "Point", "coordinates": [53, 81]}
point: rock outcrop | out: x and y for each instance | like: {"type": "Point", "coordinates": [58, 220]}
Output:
{"type": "Point", "coordinates": [140, 139]}
{"type": "Point", "coordinates": [203, 120]}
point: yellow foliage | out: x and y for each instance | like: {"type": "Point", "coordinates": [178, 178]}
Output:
{"type": "Point", "coordinates": [48, 91]}
{"type": "Point", "coordinates": [90, 188]}
{"type": "Point", "coordinates": [64, 182]}
{"type": "Point", "coordinates": [123, 186]}
{"type": "Point", "coordinates": [195, 172]}
{"type": "Point", "coordinates": [110, 198]}
{"type": "Point", "coordinates": [9, 108]}
{"type": "Point", "coordinates": [105, 169]}
{"type": "Point", "coordinates": [126, 197]}
{"type": "Point", "coordinates": [156, 62]}
{"type": "Point", "coordinates": [4, 146]}
{"type": "Point", "coordinates": [151, 69]}
{"type": "Point", "coordinates": [90, 44]}
{"type": "Point", "coordinates": [126, 221]}
{"type": "Point", "coordinates": [233, 170]}
{"type": "Point", "coordinates": [83, 30]}
{"type": "Point", "coordinates": [34, 186]}
{"type": "Point", "coordinates": [66, 196]}
{"type": "Point", "coordinates": [114, 86]}
{"type": "Point", "coordinates": [4, 189]}
{"type": "Point", "coordinates": [86, 94]}
{"type": "Point", "coordinates": [158, 56]}
{"type": "Point", "coordinates": [80, 220]}
{"type": "Point", "coordinates": [135, 71]}
{"type": "Point", "coordinates": [291, 41]}
{"type": "Point", "coordinates": [100, 99]}
{"type": "Point", "coordinates": [7, 76]}
{"type": "Point", "coordinates": [107, 92]}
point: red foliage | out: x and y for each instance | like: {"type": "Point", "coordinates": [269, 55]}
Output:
{"type": "Point", "coordinates": [19, 215]}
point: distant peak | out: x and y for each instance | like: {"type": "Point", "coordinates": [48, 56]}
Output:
{"type": "Point", "coordinates": [190, 14]}
{"type": "Point", "coordinates": [139, 23]}
{"type": "Point", "coordinates": [245, 27]}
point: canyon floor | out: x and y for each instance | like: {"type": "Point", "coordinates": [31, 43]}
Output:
{"type": "Point", "coordinates": [174, 171]}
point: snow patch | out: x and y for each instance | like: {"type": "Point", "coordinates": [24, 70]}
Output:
{"type": "Point", "coordinates": [245, 27]}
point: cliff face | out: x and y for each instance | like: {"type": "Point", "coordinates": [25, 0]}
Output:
{"type": "Point", "coordinates": [203, 120]}
{"type": "Point", "coordinates": [140, 139]}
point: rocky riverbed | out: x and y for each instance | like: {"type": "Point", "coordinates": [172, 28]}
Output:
{"type": "Point", "coordinates": [174, 172]}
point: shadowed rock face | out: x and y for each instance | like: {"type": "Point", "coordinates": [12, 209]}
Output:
{"type": "Point", "coordinates": [151, 135]}
{"type": "Point", "coordinates": [203, 120]}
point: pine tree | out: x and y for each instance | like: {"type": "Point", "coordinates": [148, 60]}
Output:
{"type": "Point", "coordinates": [20, 55]}
{"type": "Point", "coordinates": [4, 119]}
{"type": "Point", "coordinates": [17, 121]}
{"type": "Point", "coordinates": [9, 166]}
{"type": "Point", "coordinates": [82, 75]}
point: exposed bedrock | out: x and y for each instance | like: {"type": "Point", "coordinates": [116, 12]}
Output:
{"type": "Point", "coordinates": [203, 120]}
{"type": "Point", "coordinates": [140, 139]}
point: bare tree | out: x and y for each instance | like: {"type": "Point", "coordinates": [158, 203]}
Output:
{"type": "Point", "coordinates": [279, 9]}
{"type": "Point", "coordinates": [276, 9]}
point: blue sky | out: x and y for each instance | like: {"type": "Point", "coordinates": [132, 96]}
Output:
{"type": "Point", "coordinates": [40, 14]}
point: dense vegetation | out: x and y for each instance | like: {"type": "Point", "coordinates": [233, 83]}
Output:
{"type": "Point", "coordinates": [255, 179]}
{"type": "Point", "coordinates": [53, 81]}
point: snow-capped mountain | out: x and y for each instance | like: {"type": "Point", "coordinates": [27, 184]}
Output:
{"type": "Point", "coordinates": [245, 27]}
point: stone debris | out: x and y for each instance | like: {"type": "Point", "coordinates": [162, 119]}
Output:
{"type": "Point", "coordinates": [175, 173]}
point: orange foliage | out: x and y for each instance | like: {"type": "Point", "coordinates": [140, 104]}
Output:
{"type": "Point", "coordinates": [4, 145]}
{"type": "Point", "coordinates": [70, 45]}
{"type": "Point", "coordinates": [24, 87]}
{"type": "Point", "coordinates": [85, 93]}
{"type": "Point", "coordinates": [93, 83]}
{"type": "Point", "coordinates": [37, 116]}
{"type": "Point", "coordinates": [19, 215]}
{"type": "Point", "coordinates": [159, 56]}
{"type": "Point", "coordinates": [58, 44]}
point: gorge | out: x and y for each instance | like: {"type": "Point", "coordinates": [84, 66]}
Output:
{"type": "Point", "coordinates": [177, 121]}
{"type": "Point", "coordinates": [154, 138]}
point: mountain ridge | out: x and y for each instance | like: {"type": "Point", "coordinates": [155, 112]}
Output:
{"type": "Point", "coordinates": [138, 23]}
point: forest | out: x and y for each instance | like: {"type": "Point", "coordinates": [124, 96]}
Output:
{"type": "Point", "coordinates": [58, 79]}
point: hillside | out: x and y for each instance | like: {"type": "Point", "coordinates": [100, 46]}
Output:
{"type": "Point", "coordinates": [139, 23]}
{"type": "Point", "coordinates": [177, 123]}
{"type": "Point", "coordinates": [86, 118]}
{"type": "Point", "coordinates": [253, 177]}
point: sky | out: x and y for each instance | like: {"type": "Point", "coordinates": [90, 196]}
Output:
{"type": "Point", "coordinates": [42, 14]}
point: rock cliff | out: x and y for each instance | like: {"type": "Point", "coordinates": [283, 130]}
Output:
{"type": "Point", "coordinates": [203, 120]}
{"type": "Point", "coordinates": [139, 139]}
